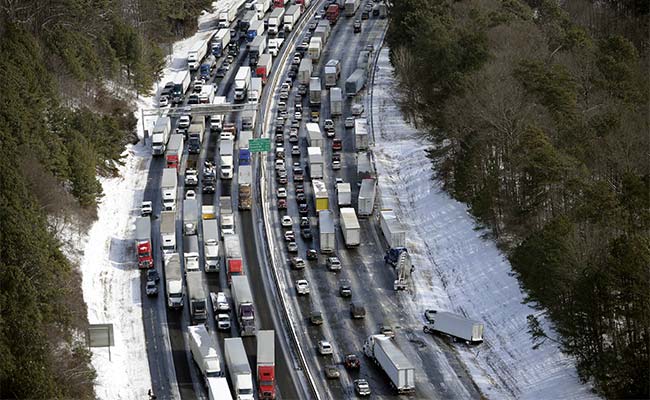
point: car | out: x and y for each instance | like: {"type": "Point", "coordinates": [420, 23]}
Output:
{"type": "Point", "coordinates": [282, 193]}
{"type": "Point", "coordinates": [303, 209]}
{"type": "Point", "coordinates": [298, 99]}
{"type": "Point", "coordinates": [339, 180]}
{"type": "Point", "coordinates": [336, 165]}
{"type": "Point", "coordinates": [146, 209]}
{"type": "Point", "coordinates": [287, 221]}
{"type": "Point", "coordinates": [293, 131]}
{"type": "Point", "coordinates": [357, 26]}
{"type": "Point", "coordinates": [368, 7]}
{"type": "Point", "coordinates": [301, 198]}
{"type": "Point", "coordinates": [370, 48]}
{"type": "Point", "coordinates": [295, 124]}
{"type": "Point", "coordinates": [279, 164]}
{"type": "Point", "coordinates": [302, 286]}
{"type": "Point", "coordinates": [316, 317]}
{"type": "Point", "coordinates": [361, 387]}
{"type": "Point", "coordinates": [279, 152]}
{"type": "Point", "coordinates": [306, 234]}
{"type": "Point", "coordinates": [299, 188]}
{"type": "Point", "coordinates": [226, 65]}
{"type": "Point", "coordinates": [152, 288]}
{"type": "Point", "coordinates": [289, 236]}
{"type": "Point", "coordinates": [190, 195]}
{"type": "Point", "coordinates": [297, 115]}
{"type": "Point", "coordinates": [152, 275]}
{"type": "Point", "coordinates": [230, 59]}
{"type": "Point", "coordinates": [222, 302]}
{"type": "Point", "coordinates": [315, 116]}
{"type": "Point", "coordinates": [288, 82]}
{"type": "Point", "coordinates": [223, 322]}
{"type": "Point", "coordinates": [282, 204]}
{"type": "Point", "coordinates": [386, 330]}
{"type": "Point", "coordinates": [332, 372]}
{"type": "Point", "coordinates": [302, 89]}
{"type": "Point", "coordinates": [328, 125]}
{"type": "Point", "coordinates": [333, 264]}
{"type": "Point", "coordinates": [282, 105]}
{"type": "Point", "coordinates": [297, 263]}
{"type": "Point", "coordinates": [292, 73]}
{"type": "Point", "coordinates": [312, 26]}
{"type": "Point", "coordinates": [304, 222]}
{"type": "Point", "coordinates": [337, 145]}
{"type": "Point", "coordinates": [298, 107]}
{"type": "Point", "coordinates": [365, 14]}
{"type": "Point", "coordinates": [292, 247]}
{"type": "Point", "coordinates": [345, 289]}
{"type": "Point", "coordinates": [284, 96]}
{"type": "Point", "coordinates": [357, 311]}
{"type": "Point", "coordinates": [208, 188]}
{"type": "Point", "coordinates": [351, 361]}
{"type": "Point", "coordinates": [184, 121]}
{"type": "Point", "coordinates": [163, 101]}
{"type": "Point", "coordinates": [295, 60]}
{"type": "Point", "coordinates": [295, 151]}
{"type": "Point", "coordinates": [312, 254]}
{"type": "Point", "coordinates": [298, 174]}
{"type": "Point", "coordinates": [221, 72]}
{"type": "Point", "coordinates": [293, 138]}
{"type": "Point", "coordinates": [357, 109]}
{"type": "Point", "coordinates": [349, 122]}
{"type": "Point", "coordinates": [325, 347]}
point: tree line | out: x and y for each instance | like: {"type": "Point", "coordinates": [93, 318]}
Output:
{"type": "Point", "coordinates": [62, 125]}
{"type": "Point", "coordinates": [538, 117]}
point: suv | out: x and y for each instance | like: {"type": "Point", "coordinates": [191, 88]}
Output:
{"type": "Point", "coordinates": [357, 311]}
{"type": "Point", "coordinates": [297, 263]}
{"type": "Point", "coordinates": [352, 361]}
{"type": "Point", "coordinates": [315, 317]}
{"type": "Point", "coordinates": [333, 263]}
{"type": "Point", "coordinates": [345, 290]}
{"type": "Point", "coordinates": [357, 26]}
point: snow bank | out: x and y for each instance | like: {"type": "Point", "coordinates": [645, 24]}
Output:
{"type": "Point", "coordinates": [459, 271]}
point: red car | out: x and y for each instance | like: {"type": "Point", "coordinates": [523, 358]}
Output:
{"type": "Point", "coordinates": [337, 145]}
{"type": "Point", "coordinates": [282, 204]}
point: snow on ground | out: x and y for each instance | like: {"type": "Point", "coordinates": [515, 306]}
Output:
{"type": "Point", "coordinates": [459, 271]}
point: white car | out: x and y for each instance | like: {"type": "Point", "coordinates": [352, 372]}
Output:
{"type": "Point", "coordinates": [190, 195]}
{"type": "Point", "coordinates": [349, 122]}
{"type": "Point", "coordinates": [184, 121]}
{"type": "Point", "coordinates": [324, 347]}
{"type": "Point", "coordinates": [357, 109]}
{"type": "Point", "coordinates": [282, 193]}
{"type": "Point", "coordinates": [297, 115]}
{"type": "Point", "coordinates": [222, 302]}
{"type": "Point", "coordinates": [279, 164]}
{"type": "Point", "coordinates": [223, 322]}
{"type": "Point", "coordinates": [147, 208]}
{"type": "Point", "coordinates": [163, 101]}
{"type": "Point", "coordinates": [287, 221]}
{"type": "Point", "coordinates": [302, 286]}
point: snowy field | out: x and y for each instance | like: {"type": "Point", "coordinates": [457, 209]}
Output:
{"type": "Point", "coordinates": [458, 271]}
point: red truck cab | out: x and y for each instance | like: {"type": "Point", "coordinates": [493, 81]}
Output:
{"type": "Point", "coordinates": [278, 3]}
{"type": "Point", "coordinates": [332, 13]}
{"type": "Point", "coordinates": [235, 267]}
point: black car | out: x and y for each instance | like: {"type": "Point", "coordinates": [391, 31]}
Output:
{"type": "Point", "coordinates": [304, 222]}
{"type": "Point", "coordinates": [221, 72]}
{"type": "Point", "coordinates": [208, 188]}
{"type": "Point", "coordinates": [152, 275]}
{"type": "Point", "coordinates": [357, 26]}
{"type": "Point", "coordinates": [303, 209]}
{"type": "Point", "coordinates": [365, 15]}
{"type": "Point", "coordinates": [306, 234]}
{"type": "Point", "coordinates": [312, 26]}
{"type": "Point", "coordinates": [345, 289]}
{"type": "Point", "coordinates": [312, 254]}
{"type": "Point", "coordinates": [301, 198]}
{"type": "Point", "coordinates": [300, 188]}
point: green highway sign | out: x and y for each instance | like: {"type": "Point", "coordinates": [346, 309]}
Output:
{"type": "Point", "coordinates": [259, 145]}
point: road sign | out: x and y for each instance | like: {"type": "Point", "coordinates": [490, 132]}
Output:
{"type": "Point", "coordinates": [259, 145]}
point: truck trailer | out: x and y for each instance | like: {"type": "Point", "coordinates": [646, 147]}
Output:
{"type": "Point", "coordinates": [351, 7]}
{"type": "Point", "coordinates": [160, 136]}
{"type": "Point", "coordinates": [350, 227]}
{"type": "Point", "coordinates": [245, 183]}
{"type": "Point", "coordinates": [182, 80]}
{"type": "Point", "coordinates": [392, 361]}
{"type": "Point", "coordinates": [168, 231]}
{"type": "Point", "coordinates": [304, 71]}
{"type": "Point", "coordinates": [315, 159]}
{"type": "Point", "coordinates": [321, 198]}
{"type": "Point", "coordinates": [275, 20]}
{"type": "Point", "coordinates": [242, 81]}
{"type": "Point", "coordinates": [191, 253]}
{"type": "Point", "coordinates": [218, 389]}
{"type": "Point", "coordinates": [244, 308]}
{"type": "Point", "coordinates": [143, 242]}
{"type": "Point", "coordinates": [315, 47]}
{"type": "Point", "coordinates": [366, 200]}
{"type": "Point", "coordinates": [238, 367]}
{"type": "Point", "coordinates": [327, 234]}
{"type": "Point", "coordinates": [211, 245]}
{"type": "Point", "coordinates": [195, 135]}
{"type": "Point", "coordinates": [169, 188]}
{"type": "Point", "coordinates": [291, 17]}
{"type": "Point", "coordinates": [314, 91]}
{"type": "Point", "coordinates": [393, 230]}
{"type": "Point", "coordinates": [266, 364]}
{"type": "Point", "coordinates": [263, 70]}
{"type": "Point", "coordinates": [174, 152]}
{"type": "Point", "coordinates": [455, 326]}
{"type": "Point", "coordinates": [336, 101]}
{"type": "Point", "coordinates": [361, 133]}
{"type": "Point", "coordinates": [190, 216]}
{"type": "Point", "coordinates": [344, 194]}
{"type": "Point", "coordinates": [355, 82]}
{"type": "Point", "coordinates": [174, 282]}
{"type": "Point", "coordinates": [204, 351]}
{"type": "Point", "coordinates": [198, 300]}
{"type": "Point", "coordinates": [220, 42]}
{"type": "Point", "coordinates": [232, 251]}
{"type": "Point", "coordinates": [314, 135]}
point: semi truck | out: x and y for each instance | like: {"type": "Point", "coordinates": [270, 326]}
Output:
{"type": "Point", "coordinates": [218, 389]}
{"type": "Point", "coordinates": [304, 71]}
{"type": "Point", "coordinates": [143, 242]}
{"type": "Point", "coordinates": [226, 159]}
{"type": "Point", "coordinates": [384, 352]}
{"type": "Point", "coordinates": [366, 200]}
{"type": "Point", "coordinates": [242, 80]}
{"type": "Point", "coordinates": [322, 32]}
{"type": "Point", "coordinates": [327, 234]}
{"type": "Point", "coordinates": [211, 245]}
{"type": "Point", "coordinates": [275, 20]}
{"type": "Point", "coordinates": [361, 133]}
{"type": "Point", "coordinates": [243, 301]}
{"type": "Point", "coordinates": [355, 82]}
{"type": "Point", "coordinates": [228, 16]}
{"type": "Point", "coordinates": [238, 367]}
{"type": "Point", "coordinates": [314, 91]}
{"type": "Point", "coordinates": [393, 230]}
{"type": "Point", "coordinates": [234, 263]}
{"type": "Point", "coordinates": [245, 184]}
{"type": "Point", "coordinates": [196, 54]}
{"type": "Point", "coordinates": [315, 47]}
{"type": "Point", "coordinates": [266, 364]}
{"type": "Point", "coordinates": [321, 198]}
{"type": "Point", "coordinates": [168, 189]}
{"type": "Point", "coordinates": [314, 135]}
{"type": "Point", "coordinates": [206, 68]}
{"type": "Point", "coordinates": [190, 216]}
{"type": "Point", "coordinates": [246, 22]}
{"type": "Point", "coordinates": [350, 227]}
{"type": "Point", "coordinates": [168, 231]}
{"type": "Point", "coordinates": [207, 95]}
{"type": "Point", "coordinates": [204, 351]}
{"type": "Point", "coordinates": [257, 48]}
{"type": "Point", "coordinates": [255, 89]}
{"type": "Point", "coordinates": [336, 101]}
{"type": "Point", "coordinates": [351, 7]}
{"type": "Point", "coordinates": [174, 151]}
{"type": "Point", "coordinates": [255, 30]}
{"type": "Point", "coordinates": [191, 253]}
{"type": "Point", "coordinates": [248, 120]}
{"type": "Point", "coordinates": [344, 194]}
{"type": "Point", "coordinates": [400, 259]}
{"type": "Point", "coordinates": [315, 158]}
{"type": "Point", "coordinates": [198, 300]}
{"type": "Point", "coordinates": [262, 6]}
{"type": "Point", "coordinates": [220, 42]}
{"type": "Point", "coordinates": [332, 72]}
{"type": "Point", "coordinates": [174, 282]}
{"type": "Point", "coordinates": [181, 81]}
{"type": "Point", "coordinates": [160, 136]}
{"type": "Point", "coordinates": [191, 171]}
{"type": "Point", "coordinates": [291, 17]}
{"type": "Point", "coordinates": [263, 69]}
{"type": "Point", "coordinates": [454, 325]}
{"type": "Point", "coordinates": [364, 166]}
{"type": "Point", "coordinates": [195, 135]}
{"type": "Point", "coordinates": [273, 46]}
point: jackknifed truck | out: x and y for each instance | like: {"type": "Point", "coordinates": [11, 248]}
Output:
{"type": "Point", "coordinates": [174, 282]}
{"type": "Point", "coordinates": [204, 352]}
{"type": "Point", "coordinates": [350, 227]}
{"type": "Point", "coordinates": [198, 299]}
{"type": "Point", "coordinates": [239, 369]}
{"type": "Point", "coordinates": [327, 234]}
{"type": "Point", "coordinates": [243, 300]}
{"type": "Point", "coordinates": [454, 325]}
{"type": "Point", "coordinates": [143, 242]}
{"type": "Point", "coordinates": [366, 200]}
{"type": "Point", "coordinates": [383, 351]}
{"type": "Point", "coordinates": [393, 230]}
{"type": "Point", "coordinates": [266, 364]}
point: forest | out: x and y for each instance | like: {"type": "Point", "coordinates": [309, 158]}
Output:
{"type": "Point", "coordinates": [537, 112]}
{"type": "Point", "coordinates": [69, 71]}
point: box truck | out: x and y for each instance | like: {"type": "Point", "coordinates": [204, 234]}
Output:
{"type": "Point", "coordinates": [314, 91]}
{"type": "Point", "coordinates": [204, 351]}
{"type": "Point", "coordinates": [174, 151]}
{"type": "Point", "coordinates": [355, 82]}
{"type": "Point", "coordinates": [314, 135]}
{"type": "Point", "coordinates": [454, 325]}
{"type": "Point", "coordinates": [315, 159]}
{"type": "Point", "coordinates": [168, 231]}
{"type": "Point", "coordinates": [392, 361]}
{"type": "Point", "coordinates": [361, 133]}
{"type": "Point", "coordinates": [238, 367]}
{"type": "Point", "coordinates": [211, 245]}
{"type": "Point", "coordinates": [344, 194]}
{"type": "Point", "coordinates": [327, 234]}
{"type": "Point", "coordinates": [350, 227]}
{"type": "Point", "coordinates": [198, 301]}
{"type": "Point", "coordinates": [336, 101]}
{"type": "Point", "coordinates": [364, 166]}
{"type": "Point", "coordinates": [160, 136]}
{"type": "Point", "coordinates": [304, 71]}
{"type": "Point", "coordinates": [266, 364]}
{"type": "Point", "coordinates": [174, 282]}
{"type": "Point", "coordinates": [351, 7]}
{"type": "Point", "coordinates": [321, 198]}
{"type": "Point", "coordinates": [244, 309]}
{"type": "Point", "coordinates": [169, 188]}
{"type": "Point", "coordinates": [366, 200]}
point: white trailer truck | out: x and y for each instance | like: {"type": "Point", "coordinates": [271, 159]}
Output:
{"type": "Point", "coordinates": [242, 298]}
{"type": "Point", "coordinates": [336, 101]}
{"type": "Point", "coordinates": [315, 158]}
{"type": "Point", "coordinates": [204, 352]}
{"type": "Point", "coordinates": [314, 135]}
{"type": "Point", "coordinates": [454, 325]}
{"type": "Point", "coordinates": [168, 231]}
{"type": "Point", "coordinates": [314, 91]}
{"type": "Point", "coordinates": [393, 230]}
{"type": "Point", "coordinates": [191, 253]}
{"type": "Point", "coordinates": [238, 367]}
{"type": "Point", "coordinates": [174, 282]}
{"type": "Point", "coordinates": [275, 20]}
{"type": "Point", "coordinates": [198, 300]}
{"type": "Point", "coordinates": [350, 227]}
{"type": "Point", "coordinates": [389, 357]}
{"type": "Point", "coordinates": [168, 188]}
{"type": "Point", "coordinates": [218, 389]}
{"type": "Point", "coordinates": [361, 134]}
{"type": "Point", "coordinates": [211, 245]}
{"type": "Point", "coordinates": [304, 71]}
{"type": "Point", "coordinates": [190, 216]}
{"type": "Point", "coordinates": [344, 194]}
{"type": "Point", "coordinates": [160, 136]}
{"type": "Point", "coordinates": [291, 17]}
{"type": "Point", "coordinates": [266, 364]}
{"type": "Point", "coordinates": [366, 200]}
{"type": "Point", "coordinates": [242, 81]}
{"type": "Point", "coordinates": [327, 234]}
